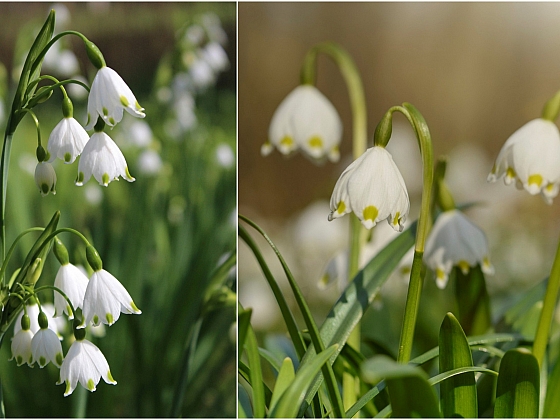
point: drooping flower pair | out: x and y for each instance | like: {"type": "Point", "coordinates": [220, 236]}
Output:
{"type": "Point", "coordinates": [307, 121]}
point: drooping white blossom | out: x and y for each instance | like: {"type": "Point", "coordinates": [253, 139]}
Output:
{"type": "Point", "coordinates": [45, 178]}
{"type": "Point", "coordinates": [305, 120]}
{"type": "Point", "coordinates": [455, 241]}
{"type": "Point", "coordinates": [108, 98]}
{"type": "Point", "coordinates": [103, 159]}
{"type": "Point", "coordinates": [67, 140]}
{"type": "Point", "coordinates": [21, 347]}
{"type": "Point", "coordinates": [73, 283]}
{"type": "Point", "coordinates": [46, 347]}
{"type": "Point", "coordinates": [105, 299]}
{"type": "Point", "coordinates": [530, 158]}
{"type": "Point", "coordinates": [373, 188]}
{"type": "Point", "coordinates": [84, 363]}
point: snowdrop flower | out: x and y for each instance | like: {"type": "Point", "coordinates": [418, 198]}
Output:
{"type": "Point", "coordinates": [109, 97]}
{"type": "Point", "coordinates": [531, 157]}
{"type": "Point", "coordinates": [373, 188]}
{"type": "Point", "coordinates": [45, 178]}
{"type": "Point", "coordinates": [105, 299]}
{"type": "Point", "coordinates": [214, 54]}
{"type": "Point", "coordinates": [103, 159]}
{"type": "Point", "coordinates": [67, 140]}
{"type": "Point", "coordinates": [455, 241]}
{"type": "Point", "coordinates": [21, 343]}
{"type": "Point", "coordinates": [45, 344]}
{"type": "Point", "coordinates": [73, 283]}
{"type": "Point", "coordinates": [305, 120]}
{"type": "Point", "coordinates": [84, 363]}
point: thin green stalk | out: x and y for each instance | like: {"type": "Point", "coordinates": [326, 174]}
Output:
{"type": "Point", "coordinates": [547, 313]}
{"type": "Point", "coordinates": [382, 136]}
{"type": "Point", "coordinates": [351, 75]}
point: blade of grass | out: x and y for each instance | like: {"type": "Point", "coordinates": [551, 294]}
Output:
{"type": "Point", "coordinates": [259, 408]}
{"type": "Point", "coordinates": [458, 394]}
{"type": "Point", "coordinates": [332, 386]}
{"type": "Point", "coordinates": [243, 323]}
{"type": "Point", "coordinates": [286, 376]}
{"type": "Point", "coordinates": [552, 402]}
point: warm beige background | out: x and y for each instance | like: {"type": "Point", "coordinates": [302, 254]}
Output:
{"type": "Point", "coordinates": [477, 72]}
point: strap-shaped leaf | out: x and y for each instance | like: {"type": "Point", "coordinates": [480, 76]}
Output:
{"type": "Point", "coordinates": [285, 378]}
{"type": "Point", "coordinates": [410, 393]}
{"type": "Point", "coordinates": [517, 391]}
{"type": "Point", "coordinates": [473, 301]}
{"type": "Point", "coordinates": [243, 322]}
{"type": "Point", "coordinates": [357, 297]}
{"type": "Point", "coordinates": [254, 360]}
{"type": "Point", "coordinates": [457, 394]}
{"type": "Point", "coordinates": [552, 402]}
{"type": "Point", "coordinates": [290, 401]}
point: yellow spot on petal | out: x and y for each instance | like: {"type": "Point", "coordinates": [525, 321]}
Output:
{"type": "Point", "coordinates": [370, 213]}
{"type": "Point", "coordinates": [341, 207]}
{"type": "Point", "coordinates": [510, 173]}
{"type": "Point", "coordinates": [287, 141]}
{"type": "Point", "coordinates": [396, 218]}
{"type": "Point", "coordinates": [549, 187]}
{"type": "Point", "coordinates": [134, 307]}
{"type": "Point", "coordinates": [67, 157]}
{"type": "Point", "coordinates": [315, 142]}
{"type": "Point", "coordinates": [440, 274]}
{"type": "Point", "coordinates": [42, 361]}
{"type": "Point", "coordinates": [535, 179]}
{"type": "Point", "coordinates": [110, 377]}
{"type": "Point", "coordinates": [464, 266]}
{"type": "Point", "coordinates": [109, 318]}
{"type": "Point", "coordinates": [67, 388]}
{"type": "Point", "coordinates": [59, 359]}
{"type": "Point", "coordinates": [124, 101]}
{"type": "Point", "coordinates": [105, 179]}
{"type": "Point", "coordinates": [91, 385]}
{"type": "Point", "coordinates": [19, 360]}
{"type": "Point", "coordinates": [95, 319]}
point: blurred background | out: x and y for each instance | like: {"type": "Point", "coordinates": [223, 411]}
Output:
{"type": "Point", "coordinates": [476, 71]}
{"type": "Point", "coordinates": [169, 237]}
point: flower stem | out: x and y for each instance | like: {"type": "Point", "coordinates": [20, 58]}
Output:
{"type": "Point", "coordinates": [382, 136]}
{"type": "Point", "coordinates": [547, 313]}
{"type": "Point", "coordinates": [351, 75]}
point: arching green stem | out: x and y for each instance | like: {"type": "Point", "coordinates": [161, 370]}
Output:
{"type": "Point", "coordinates": [11, 250]}
{"type": "Point", "coordinates": [382, 136]}
{"type": "Point", "coordinates": [355, 87]}
{"type": "Point", "coordinates": [56, 289]}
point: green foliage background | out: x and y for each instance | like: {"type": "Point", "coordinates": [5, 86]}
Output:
{"type": "Point", "coordinates": [162, 236]}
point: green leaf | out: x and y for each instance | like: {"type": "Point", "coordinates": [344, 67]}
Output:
{"type": "Point", "coordinates": [473, 300]}
{"type": "Point", "coordinates": [256, 377]}
{"type": "Point", "coordinates": [243, 323]}
{"type": "Point", "coordinates": [285, 378]}
{"type": "Point", "coordinates": [290, 401]}
{"type": "Point", "coordinates": [517, 393]}
{"type": "Point", "coordinates": [410, 393]}
{"type": "Point", "coordinates": [357, 297]}
{"type": "Point", "coordinates": [552, 402]}
{"type": "Point", "coordinates": [457, 394]}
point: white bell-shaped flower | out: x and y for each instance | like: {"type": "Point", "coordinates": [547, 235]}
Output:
{"type": "Point", "coordinates": [67, 140]}
{"type": "Point", "coordinates": [45, 178]}
{"type": "Point", "coordinates": [109, 96]}
{"type": "Point", "coordinates": [103, 159]}
{"type": "Point", "coordinates": [84, 363]}
{"type": "Point", "coordinates": [21, 344]}
{"type": "Point", "coordinates": [45, 344]}
{"type": "Point", "coordinates": [455, 241]}
{"type": "Point", "coordinates": [308, 121]}
{"type": "Point", "coordinates": [105, 299]}
{"type": "Point", "coordinates": [531, 157]}
{"type": "Point", "coordinates": [373, 188]}
{"type": "Point", "coordinates": [73, 283]}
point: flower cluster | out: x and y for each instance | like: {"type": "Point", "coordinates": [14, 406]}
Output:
{"type": "Point", "coordinates": [102, 298]}
{"type": "Point", "coordinates": [101, 158]}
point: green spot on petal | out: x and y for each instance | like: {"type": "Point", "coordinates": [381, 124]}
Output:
{"type": "Point", "coordinates": [42, 361]}
{"type": "Point", "coordinates": [341, 207]}
{"type": "Point", "coordinates": [124, 101]}
{"type": "Point", "coordinates": [95, 319]}
{"type": "Point", "coordinates": [45, 189]}
{"type": "Point", "coordinates": [535, 179]}
{"type": "Point", "coordinates": [396, 218]}
{"type": "Point", "coordinates": [19, 360]}
{"type": "Point", "coordinates": [109, 318]}
{"type": "Point", "coordinates": [105, 179]}
{"type": "Point", "coordinates": [112, 121]}
{"type": "Point", "coordinates": [105, 111]}
{"type": "Point", "coordinates": [69, 311]}
{"type": "Point", "coordinates": [128, 176]}
{"type": "Point", "coordinates": [110, 376]}
{"type": "Point", "coordinates": [134, 307]}
{"type": "Point", "coordinates": [464, 266]}
{"type": "Point", "coordinates": [138, 107]}
{"type": "Point", "coordinates": [370, 213]}
{"type": "Point", "coordinates": [440, 274]}
{"type": "Point", "coordinates": [67, 157]}
{"type": "Point", "coordinates": [90, 385]}
{"type": "Point", "coordinates": [59, 359]}
{"type": "Point", "coordinates": [80, 177]}
{"type": "Point", "coordinates": [510, 173]}
{"type": "Point", "coordinates": [67, 391]}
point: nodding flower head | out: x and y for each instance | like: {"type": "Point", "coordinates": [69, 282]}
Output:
{"type": "Point", "coordinates": [531, 157]}
{"type": "Point", "coordinates": [305, 120]}
{"type": "Point", "coordinates": [373, 188]}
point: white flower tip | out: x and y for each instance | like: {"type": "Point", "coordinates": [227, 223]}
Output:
{"type": "Point", "coordinates": [266, 149]}
{"type": "Point", "coordinates": [441, 277]}
{"type": "Point", "coordinates": [491, 177]}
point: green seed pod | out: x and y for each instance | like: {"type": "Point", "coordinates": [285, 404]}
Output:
{"type": "Point", "coordinates": [93, 258]}
{"type": "Point", "coordinates": [60, 252]}
{"type": "Point", "coordinates": [94, 54]}
{"type": "Point", "coordinates": [41, 153]}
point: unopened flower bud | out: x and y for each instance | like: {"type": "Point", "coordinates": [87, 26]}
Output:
{"type": "Point", "coordinates": [94, 54]}
{"type": "Point", "coordinates": [93, 258]}
{"type": "Point", "coordinates": [60, 252]}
